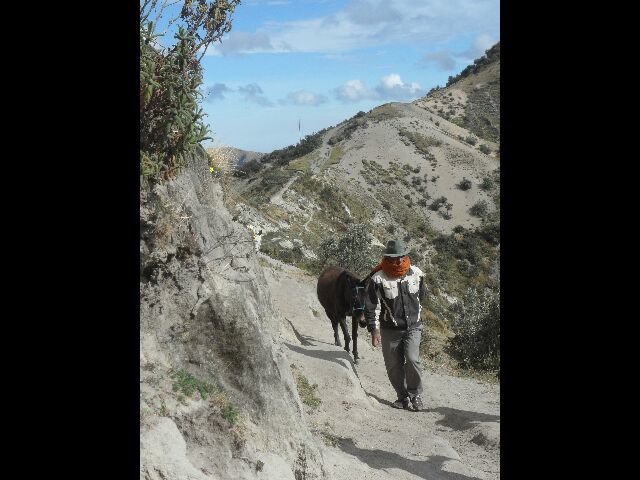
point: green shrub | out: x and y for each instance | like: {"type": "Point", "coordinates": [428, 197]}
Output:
{"type": "Point", "coordinates": [420, 142]}
{"type": "Point", "coordinates": [458, 121]}
{"type": "Point", "coordinates": [351, 251]}
{"type": "Point", "coordinates": [476, 325]}
{"type": "Point", "coordinates": [283, 156]}
{"type": "Point", "coordinates": [347, 130]}
{"type": "Point", "coordinates": [171, 121]}
{"type": "Point", "coordinates": [385, 112]}
{"type": "Point", "coordinates": [485, 149]}
{"type": "Point", "coordinates": [471, 140]}
{"type": "Point", "coordinates": [490, 55]}
{"type": "Point", "coordinates": [479, 209]}
{"type": "Point", "coordinates": [487, 183]}
{"type": "Point", "coordinates": [248, 168]}
{"type": "Point", "coordinates": [437, 203]}
{"type": "Point", "coordinates": [307, 391]}
{"type": "Point", "coordinates": [490, 232]}
{"type": "Point", "coordinates": [465, 184]}
{"type": "Point", "coordinates": [187, 384]}
{"type": "Point", "coordinates": [230, 413]}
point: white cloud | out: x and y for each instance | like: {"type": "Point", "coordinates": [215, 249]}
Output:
{"type": "Point", "coordinates": [242, 42]}
{"type": "Point", "coordinates": [392, 87]}
{"type": "Point", "coordinates": [303, 97]}
{"type": "Point", "coordinates": [354, 91]}
{"type": "Point", "coordinates": [366, 23]}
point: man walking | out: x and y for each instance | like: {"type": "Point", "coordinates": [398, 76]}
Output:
{"type": "Point", "coordinates": [392, 310]}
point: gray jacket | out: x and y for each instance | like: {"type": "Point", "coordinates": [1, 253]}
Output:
{"type": "Point", "coordinates": [395, 303]}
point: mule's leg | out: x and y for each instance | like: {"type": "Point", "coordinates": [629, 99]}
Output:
{"type": "Point", "coordinates": [354, 336]}
{"type": "Point", "coordinates": [336, 336]}
{"type": "Point", "coordinates": [345, 332]}
{"type": "Point", "coordinates": [334, 324]}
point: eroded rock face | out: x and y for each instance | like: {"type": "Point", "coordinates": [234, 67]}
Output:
{"type": "Point", "coordinates": [205, 310]}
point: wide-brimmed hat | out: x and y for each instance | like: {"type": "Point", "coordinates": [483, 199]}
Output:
{"type": "Point", "coordinates": [395, 248]}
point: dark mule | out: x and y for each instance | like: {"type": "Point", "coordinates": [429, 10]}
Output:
{"type": "Point", "coordinates": [341, 294]}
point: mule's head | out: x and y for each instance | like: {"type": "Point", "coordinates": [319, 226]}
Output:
{"type": "Point", "coordinates": [358, 294]}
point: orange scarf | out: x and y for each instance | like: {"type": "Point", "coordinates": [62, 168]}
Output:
{"type": "Point", "coordinates": [393, 270]}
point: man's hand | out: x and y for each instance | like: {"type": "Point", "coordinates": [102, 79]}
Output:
{"type": "Point", "coordinates": [375, 338]}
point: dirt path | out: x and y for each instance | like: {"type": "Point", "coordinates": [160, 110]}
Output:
{"type": "Point", "coordinates": [457, 437]}
{"type": "Point", "coordinates": [277, 197]}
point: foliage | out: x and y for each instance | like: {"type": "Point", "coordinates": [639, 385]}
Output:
{"type": "Point", "coordinates": [284, 155]}
{"type": "Point", "coordinates": [330, 439]}
{"type": "Point", "coordinates": [439, 202]}
{"type": "Point", "coordinates": [465, 258]}
{"type": "Point", "coordinates": [351, 251]}
{"type": "Point", "coordinates": [188, 384]}
{"type": "Point", "coordinates": [433, 90]}
{"type": "Point", "coordinates": [465, 184]}
{"type": "Point", "coordinates": [248, 168]}
{"type": "Point", "coordinates": [479, 209]}
{"type": "Point", "coordinates": [485, 149]}
{"type": "Point", "coordinates": [477, 328]}
{"type": "Point", "coordinates": [471, 140]}
{"type": "Point", "coordinates": [307, 391]}
{"type": "Point", "coordinates": [384, 112]}
{"type": "Point", "coordinates": [421, 142]}
{"type": "Point", "coordinates": [350, 126]}
{"type": "Point", "coordinates": [487, 183]}
{"type": "Point", "coordinates": [269, 183]}
{"type": "Point", "coordinates": [334, 157]}
{"type": "Point", "coordinates": [458, 121]}
{"type": "Point", "coordinates": [171, 121]}
{"type": "Point", "coordinates": [491, 55]}
{"type": "Point", "coordinates": [230, 413]}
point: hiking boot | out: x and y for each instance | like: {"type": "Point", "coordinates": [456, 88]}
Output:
{"type": "Point", "coordinates": [401, 403]}
{"type": "Point", "coordinates": [417, 403]}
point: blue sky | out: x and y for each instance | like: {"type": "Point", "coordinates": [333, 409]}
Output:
{"type": "Point", "coordinates": [321, 61]}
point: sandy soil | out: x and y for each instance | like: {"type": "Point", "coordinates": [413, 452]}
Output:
{"type": "Point", "coordinates": [457, 437]}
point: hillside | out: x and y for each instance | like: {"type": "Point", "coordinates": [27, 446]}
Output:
{"type": "Point", "coordinates": [401, 170]}
{"type": "Point", "coordinates": [472, 98]}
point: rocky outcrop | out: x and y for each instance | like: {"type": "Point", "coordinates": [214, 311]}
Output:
{"type": "Point", "coordinates": [206, 314]}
